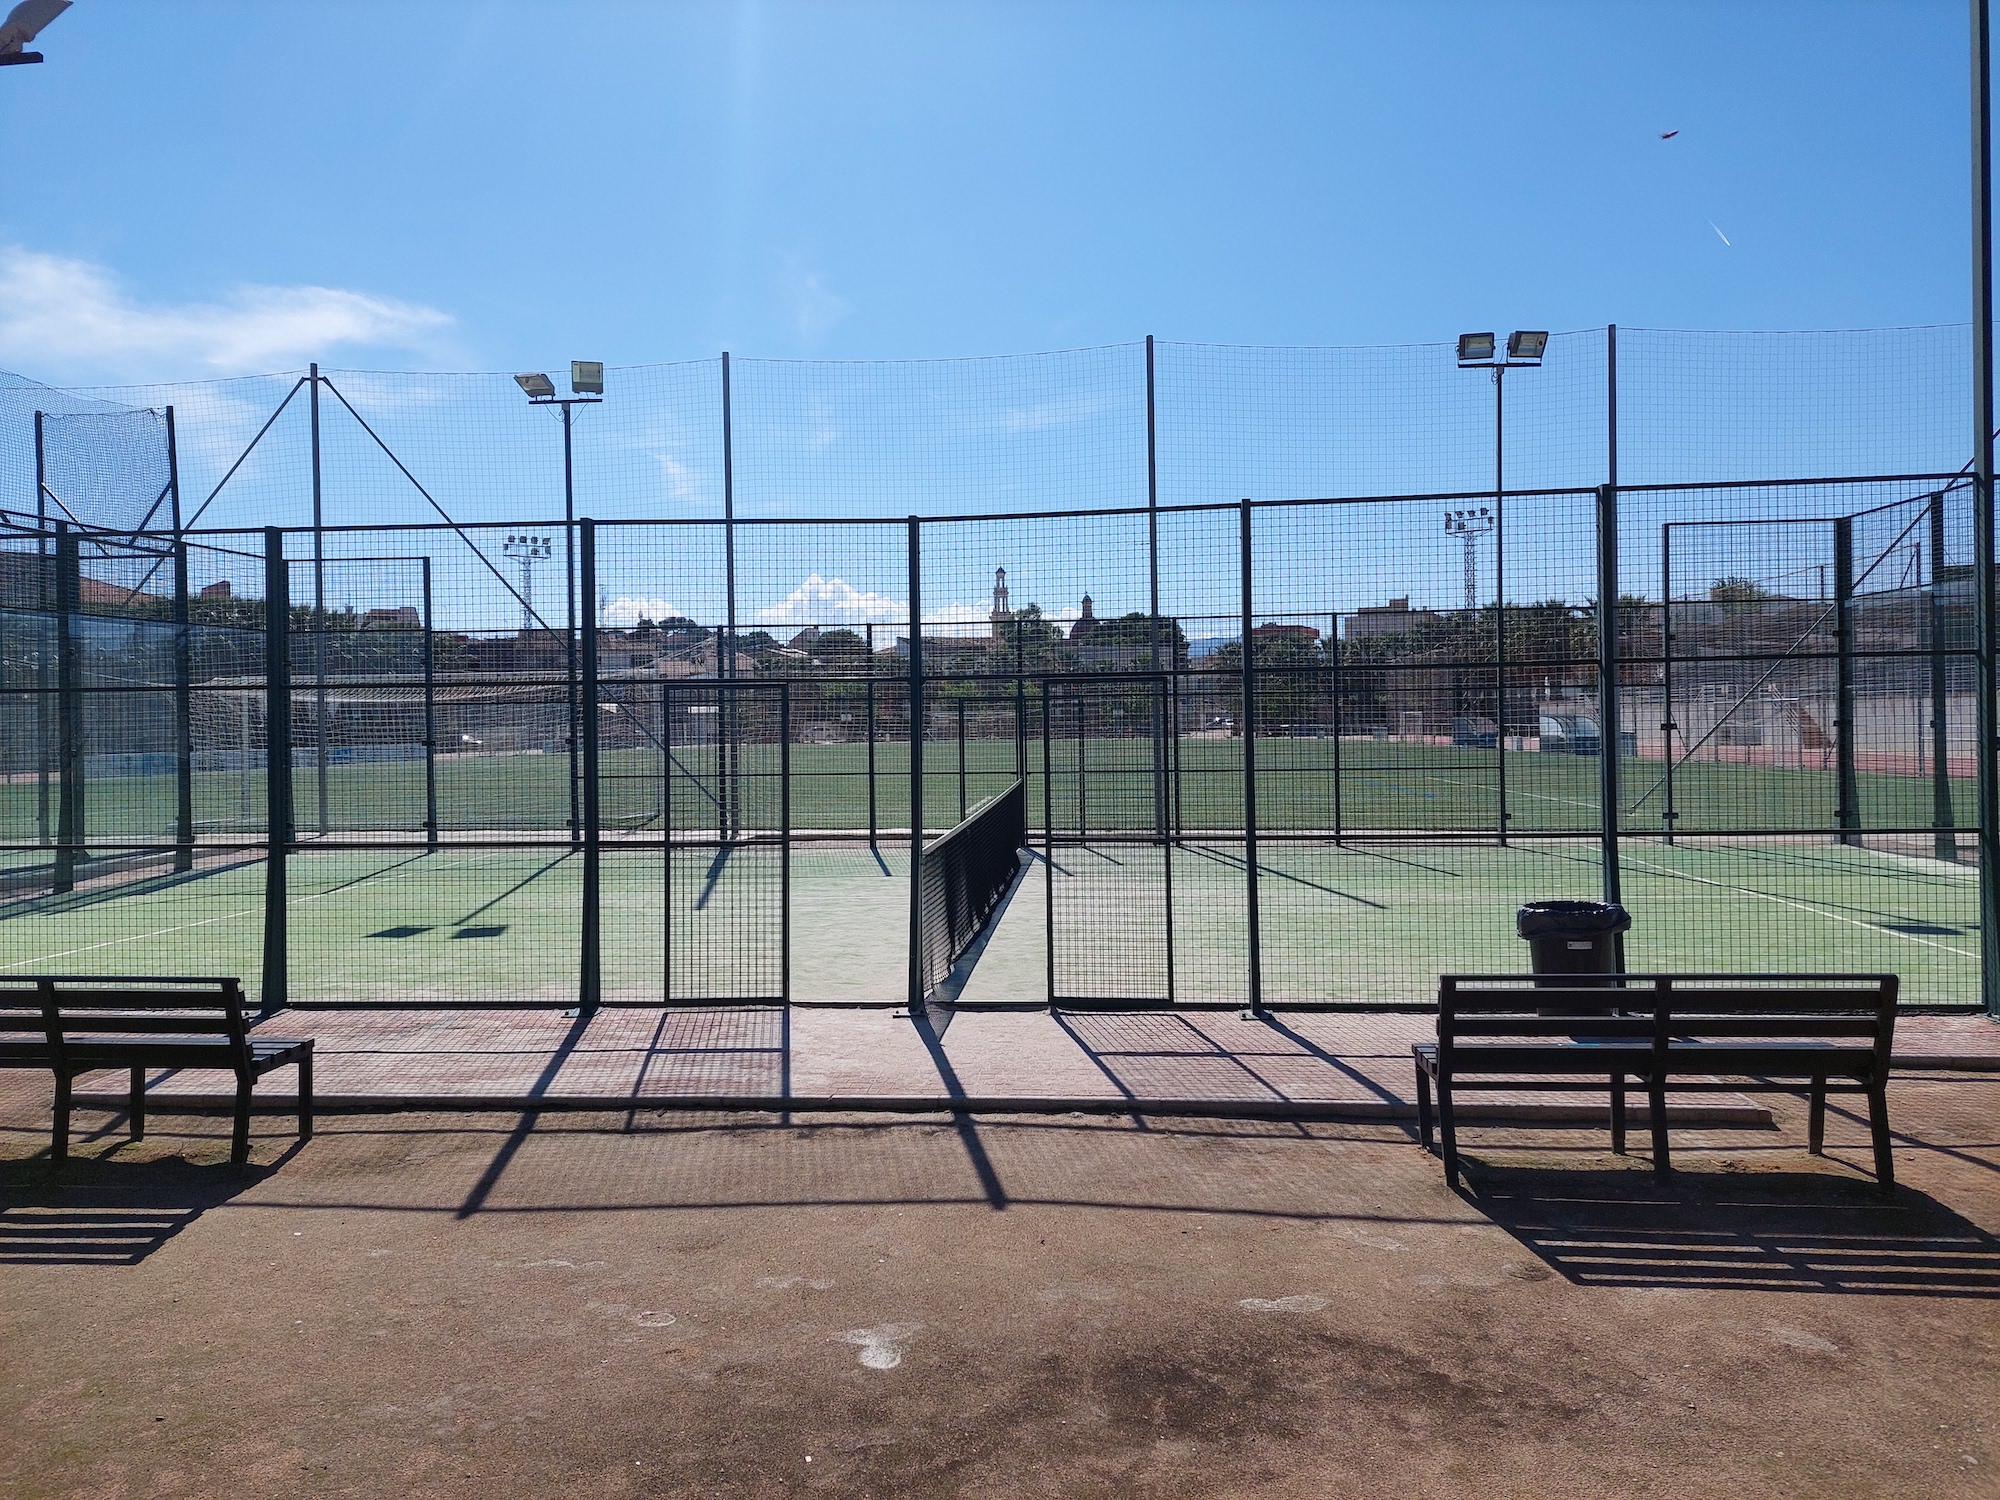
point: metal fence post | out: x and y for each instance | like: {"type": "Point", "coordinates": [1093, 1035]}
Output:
{"type": "Point", "coordinates": [1847, 795]}
{"type": "Point", "coordinates": [1333, 693]}
{"type": "Point", "coordinates": [785, 842]}
{"type": "Point", "coordinates": [1667, 813]}
{"type": "Point", "coordinates": [1048, 852]}
{"type": "Point", "coordinates": [870, 628]}
{"type": "Point", "coordinates": [277, 767]}
{"type": "Point", "coordinates": [732, 791]}
{"type": "Point", "coordinates": [319, 614]}
{"type": "Point", "coordinates": [666, 844]}
{"type": "Point", "coordinates": [916, 976]}
{"type": "Point", "coordinates": [1988, 743]}
{"type": "Point", "coordinates": [1944, 843]}
{"type": "Point", "coordinates": [1252, 930]}
{"type": "Point", "coordinates": [1153, 587]}
{"type": "Point", "coordinates": [430, 717]}
{"type": "Point", "coordinates": [590, 985]}
{"type": "Point", "coordinates": [183, 669]}
{"type": "Point", "coordinates": [1608, 739]}
{"type": "Point", "coordinates": [961, 759]}
{"type": "Point", "coordinates": [44, 604]}
{"type": "Point", "coordinates": [69, 710]}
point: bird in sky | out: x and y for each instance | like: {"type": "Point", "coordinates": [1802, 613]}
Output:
{"type": "Point", "coordinates": [1667, 135]}
{"type": "Point", "coordinates": [23, 24]}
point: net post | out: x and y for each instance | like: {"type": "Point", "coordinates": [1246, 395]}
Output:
{"type": "Point", "coordinates": [1944, 844]}
{"type": "Point", "coordinates": [1021, 716]}
{"type": "Point", "coordinates": [430, 715]}
{"type": "Point", "coordinates": [277, 765]}
{"type": "Point", "coordinates": [1333, 694]}
{"type": "Point", "coordinates": [915, 996]}
{"type": "Point", "coordinates": [183, 670]}
{"type": "Point", "coordinates": [1252, 930]}
{"type": "Point", "coordinates": [1847, 810]}
{"type": "Point", "coordinates": [1499, 605]}
{"type": "Point", "coordinates": [1988, 742]}
{"type": "Point", "coordinates": [69, 711]}
{"type": "Point", "coordinates": [961, 757]}
{"type": "Point", "coordinates": [785, 842]}
{"type": "Point", "coordinates": [726, 656]}
{"type": "Point", "coordinates": [590, 977]}
{"type": "Point", "coordinates": [1153, 594]}
{"type": "Point", "coordinates": [666, 844]}
{"type": "Point", "coordinates": [569, 627]}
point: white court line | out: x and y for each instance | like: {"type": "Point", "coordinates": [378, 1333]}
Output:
{"type": "Point", "coordinates": [1743, 890]}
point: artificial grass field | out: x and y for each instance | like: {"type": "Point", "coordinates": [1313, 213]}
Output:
{"type": "Point", "coordinates": [1357, 922]}
{"type": "Point", "coordinates": [1381, 785]}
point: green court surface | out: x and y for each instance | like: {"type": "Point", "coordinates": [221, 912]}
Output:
{"type": "Point", "coordinates": [1356, 923]}
{"type": "Point", "coordinates": [1098, 785]}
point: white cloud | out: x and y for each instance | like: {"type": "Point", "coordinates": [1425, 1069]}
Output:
{"type": "Point", "coordinates": [816, 307]}
{"type": "Point", "coordinates": [71, 318]}
{"type": "Point", "coordinates": [832, 601]}
{"type": "Point", "coordinates": [626, 613]}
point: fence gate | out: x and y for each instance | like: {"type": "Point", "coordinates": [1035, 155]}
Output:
{"type": "Point", "coordinates": [1108, 879]}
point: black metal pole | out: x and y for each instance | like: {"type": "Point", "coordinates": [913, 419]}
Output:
{"type": "Point", "coordinates": [1667, 812]}
{"type": "Point", "coordinates": [666, 844]}
{"type": "Point", "coordinates": [1500, 600]}
{"type": "Point", "coordinates": [69, 711]}
{"type": "Point", "coordinates": [569, 628]}
{"type": "Point", "coordinates": [1153, 595]}
{"type": "Point", "coordinates": [785, 842]}
{"type": "Point", "coordinates": [726, 660]}
{"type": "Point", "coordinates": [277, 766]}
{"type": "Point", "coordinates": [1945, 839]}
{"type": "Point", "coordinates": [320, 756]}
{"type": "Point", "coordinates": [916, 975]}
{"type": "Point", "coordinates": [1254, 974]}
{"type": "Point", "coordinates": [1847, 798]}
{"type": "Point", "coordinates": [871, 737]}
{"type": "Point", "coordinates": [1333, 692]}
{"type": "Point", "coordinates": [183, 670]}
{"type": "Point", "coordinates": [44, 604]}
{"type": "Point", "coordinates": [1021, 717]}
{"type": "Point", "coordinates": [1988, 770]}
{"type": "Point", "coordinates": [430, 716]}
{"type": "Point", "coordinates": [590, 987]}
{"type": "Point", "coordinates": [1082, 758]}
{"type": "Point", "coordinates": [1610, 712]}
{"type": "Point", "coordinates": [1048, 853]}
{"type": "Point", "coordinates": [961, 760]}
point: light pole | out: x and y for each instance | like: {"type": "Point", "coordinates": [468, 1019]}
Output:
{"type": "Point", "coordinates": [586, 384]}
{"type": "Point", "coordinates": [1470, 524]}
{"type": "Point", "coordinates": [1476, 351]}
{"type": "Point", "coordinates": [527, 550]}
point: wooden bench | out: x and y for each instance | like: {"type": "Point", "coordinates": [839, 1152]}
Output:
{"type": "Point", "coordinates": [1778, 1032]}
{"type": "Point", "coordinates": [73, 1025]}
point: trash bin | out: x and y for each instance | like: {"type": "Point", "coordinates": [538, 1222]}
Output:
{"type": "Point", "coordinates": [1572, 937]}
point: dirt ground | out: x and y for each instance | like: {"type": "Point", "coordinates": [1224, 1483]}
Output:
{"type": "Point", "coordinates": [610, 1305]}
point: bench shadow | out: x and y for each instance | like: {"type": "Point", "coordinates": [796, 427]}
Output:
{"type": "Point", "coordinates": [1775, 1231]}
{"type": "Point", "coordinates": [99, 1211]}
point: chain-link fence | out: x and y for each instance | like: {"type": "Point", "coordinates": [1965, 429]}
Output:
{"type": "Point", "coordinates": [675, 756]}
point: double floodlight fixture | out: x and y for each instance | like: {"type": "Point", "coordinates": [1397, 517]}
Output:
{"type": "Point", "coordinates": [1472, 521]}
{"type": "Point", "coordinates": [586, 382]}
{"type": "Point", "coordinates": [1524, 347]}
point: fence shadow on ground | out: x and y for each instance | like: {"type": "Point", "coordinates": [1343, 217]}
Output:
{"type": "Point", "coordinates": [1778, 1231]}
{"type": "Point", "coordinates": [94, 1211]}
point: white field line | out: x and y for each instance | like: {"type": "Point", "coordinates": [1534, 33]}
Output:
{"type": "Point", "coordinates": [1742, 890]}
{"type": "Point", "coordinates": [140, 937]}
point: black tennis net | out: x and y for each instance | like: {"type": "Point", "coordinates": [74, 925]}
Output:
{"type": "Point", "coordinates": [966, 872]}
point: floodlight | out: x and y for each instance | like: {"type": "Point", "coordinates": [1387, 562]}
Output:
{"type": "Point", "coordinates": [538, 386]}
{"type": "Point", "coordinates": [1525, 344]}
{"type": "Point", "coordinates": [586, 377]}
{"type": "Point", "coordinates": [1474, 346]}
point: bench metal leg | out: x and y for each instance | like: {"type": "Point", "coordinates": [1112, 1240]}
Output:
{"type": "Point", "coordinates": [239, 1142]}
{"type": "Point", "coordinates": [1425, 1131]}
{"type": "Point", "coordinates": [59, 1135]}
{"type": "Point", "coordinates": [135, 1105]}
{"type": "Point", "coordinates": [1618, 1114]}
{"type": "Point", "coordinates": [1878, 1127]}
{"type": "Point", "coordinates": [1816, 1119]}
{"type": "Point", "coordinates": [1656, 1106]}
{"type": "Point", "coordinates": [306, 1097]}
{"type": "Point", "coordinates": [1448, 1129]}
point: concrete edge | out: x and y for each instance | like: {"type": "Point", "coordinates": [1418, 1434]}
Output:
{"type": "Point", "coordinates": [1359, 1110]}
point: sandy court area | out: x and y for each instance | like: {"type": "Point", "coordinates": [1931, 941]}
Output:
{"type": "Point", "coordinates": [649, 1304]}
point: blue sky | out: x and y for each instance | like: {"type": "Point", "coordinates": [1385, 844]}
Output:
{"type": "Point", "coordinates": [197, 192]}
{"type": "Point", "coordinates": [502, 185]}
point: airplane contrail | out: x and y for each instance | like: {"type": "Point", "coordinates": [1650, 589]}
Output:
{"type": "Point", "coordinates": [1719, 234]}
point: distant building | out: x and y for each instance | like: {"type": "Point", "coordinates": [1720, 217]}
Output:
{"type": "Point", "coordinates": [1393, 618]}
{"type": "Point", "coordinates": [1305, 635]}
{"type": "Point", "coordinates": [1085, 624]}
{"type": "Point", "coordinates": [402, 617]}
